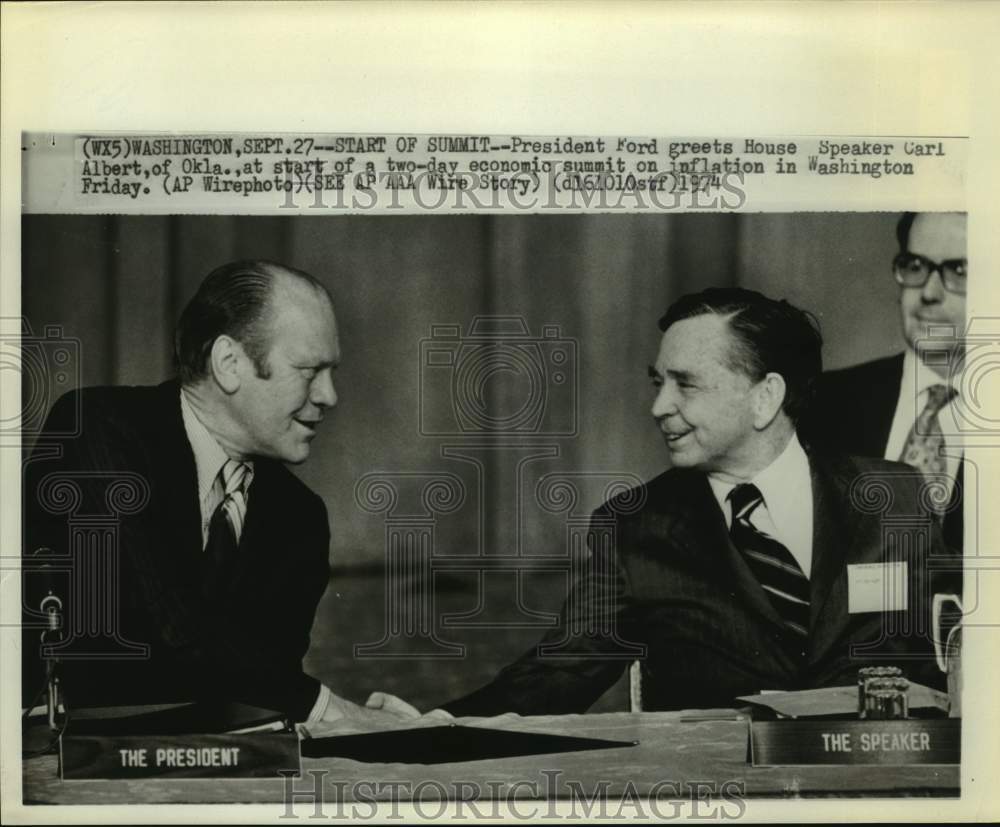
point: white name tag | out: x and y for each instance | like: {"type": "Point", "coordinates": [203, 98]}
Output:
{"type": "Point", "coordinates": [877, 587]}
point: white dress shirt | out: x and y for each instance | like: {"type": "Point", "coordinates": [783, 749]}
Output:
{"type": "Point", "coordinates": [209, 457]}
{"type": "Point", "coordinates": [208, 460]}
{"type": "Point", "coordinates": [914, 387]}
{"type": "Point", "coordinates": [787, 511]}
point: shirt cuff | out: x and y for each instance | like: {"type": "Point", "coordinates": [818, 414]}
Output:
{"type": "Point", "coordinates": [320, 707]}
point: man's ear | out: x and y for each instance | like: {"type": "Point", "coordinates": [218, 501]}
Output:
{"type": "Point", "coordinates": [225, 363]}
{"type": "Point", "coordinates": [769, 396]}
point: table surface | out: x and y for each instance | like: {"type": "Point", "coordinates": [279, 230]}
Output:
{"type": "Point", "coordinates": [675, 751]}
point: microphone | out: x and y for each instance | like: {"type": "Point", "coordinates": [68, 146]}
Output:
{"type": "Point", "coordinates": [51, 606]}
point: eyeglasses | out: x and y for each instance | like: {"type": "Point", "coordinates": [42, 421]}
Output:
{"type": "Point", "coordinates": [913, 270]}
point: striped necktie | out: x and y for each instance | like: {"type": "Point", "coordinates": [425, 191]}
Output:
{"type": "Point", "coordinates": [226, 526]}
{"type": "Point", "coordinates": [782, 579]}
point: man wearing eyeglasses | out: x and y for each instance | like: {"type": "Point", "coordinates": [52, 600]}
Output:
{"type": "Point", "coordinates": [903, 407]}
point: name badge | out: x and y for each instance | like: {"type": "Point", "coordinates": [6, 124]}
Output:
{"type": "Point", "coordinates": [877, 587]}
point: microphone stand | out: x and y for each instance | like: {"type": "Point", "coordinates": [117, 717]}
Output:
{"type": "Point", "coordinates": [51, 606]}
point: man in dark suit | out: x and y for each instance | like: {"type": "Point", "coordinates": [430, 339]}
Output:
{"type": "Point", "coordinates": [213, 556]}
{"type": "Point", "coordinates": [749, 565]}
{"type": "Point", "coordinates": [873, 409]}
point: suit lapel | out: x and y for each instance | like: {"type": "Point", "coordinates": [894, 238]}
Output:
{"type": "Point", "coordinates": [954, 520]}
{"type": "Point", "coordinates": [255, 522]}
{"type": "Point", "coordinates": [265, 519]}
{"type": "Point", "coordinates": [178, 477]}
{"type": "Point", "coordinates": [883, 397]}
{"type": "Point", "coordinates": [834, 539]}
{"type": "Point", "coordinates": [702, 528]}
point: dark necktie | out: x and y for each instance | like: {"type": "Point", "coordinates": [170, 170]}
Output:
{"type": "Point", "coordinates": [772, 564]}
{"type": "Point", "coordinates": [925, 441]}
{"type": "Point", "coordinates": [226, 525]}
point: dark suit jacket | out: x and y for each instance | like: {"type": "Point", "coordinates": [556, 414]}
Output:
{"type": "Point", "coordinates": [243, 643]}
{"type": "Point", "coordinates": [853, 413]}
{"type": "Point", "coordinates": [673, 582]}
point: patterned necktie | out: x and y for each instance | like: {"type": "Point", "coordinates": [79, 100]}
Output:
{"type": "Point", "coordinates": [772, 564]}
{"type": "Point", "coordinates": [924, 444]}
{"type": "Point", "coordinates": [226, 526]}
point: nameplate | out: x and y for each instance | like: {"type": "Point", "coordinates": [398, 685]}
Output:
{"type": "Point", "coordinates": [790, 743]}
{"type": "Point", "coordinates": [258, 755]}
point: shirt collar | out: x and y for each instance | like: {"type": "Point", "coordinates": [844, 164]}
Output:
{"type": "Point", "coordinates": [918, 376]}
{"type": "Point", "coordinates": [208, 454]}
{"type": "Point", "coordinates": [781, 484]}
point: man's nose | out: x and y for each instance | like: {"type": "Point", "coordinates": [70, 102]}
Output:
{"type": "Point", "coordinates": [665, 402]}
{"type": "Point", "coordinates": [933, 289]}
{"type": "Point", "coordinates": [322, 391]}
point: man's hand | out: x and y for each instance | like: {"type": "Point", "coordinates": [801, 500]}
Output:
{"type": "Point", "coordinates": [381, 708]}
{"type": "Point", "coordinates": [439, 715]}
{"type": "Point", "coordinates": [392, 705]}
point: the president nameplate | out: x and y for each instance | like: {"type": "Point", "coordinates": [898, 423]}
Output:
{"type": "Point", "coordinates": [257, 755]}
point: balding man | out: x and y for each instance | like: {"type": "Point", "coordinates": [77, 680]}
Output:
{"type": "Point", "coordinates": [220, 572]}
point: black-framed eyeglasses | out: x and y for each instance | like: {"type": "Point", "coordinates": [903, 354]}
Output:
{"type": "Point", "coordinates": [913, 270]}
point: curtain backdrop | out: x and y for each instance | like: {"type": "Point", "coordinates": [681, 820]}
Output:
{"type": "Point", "coordinates": [586, 289]}
{"type": "Point", "coordinates": [597, 283]}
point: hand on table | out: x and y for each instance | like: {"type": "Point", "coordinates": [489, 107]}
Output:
{"type": "Point", "coordinates": [381, 708]}
{"type": "Point", "coordinates": [438, 715]}
{"type": "Point", "coordinates": [392, 705]}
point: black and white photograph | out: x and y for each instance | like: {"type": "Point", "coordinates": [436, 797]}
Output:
{"type": "Point", "coordinates": [523, 475]}
{"type": "Point", "coordinates": [460, 473]}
